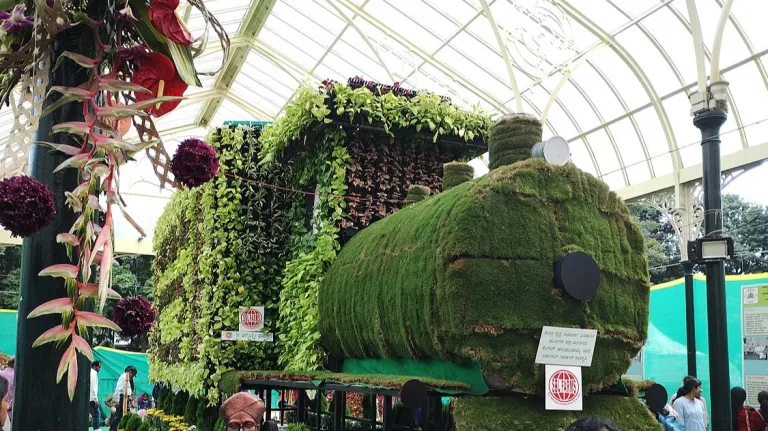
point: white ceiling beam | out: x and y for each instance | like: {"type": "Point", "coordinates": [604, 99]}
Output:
{"type": "Point", "coordinates": [743, 158]}
{"type": "Point", "coordinates": [252, 23]}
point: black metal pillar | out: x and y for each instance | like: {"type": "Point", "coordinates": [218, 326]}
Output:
{"type": "Point", "coordinates": [690, 322]}
{"type": "Point", "coordinates": [39, 403]}
{"type": "Point", "coordinates": [720, 392]}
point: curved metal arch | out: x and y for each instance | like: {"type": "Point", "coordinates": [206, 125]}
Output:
{"type": "Point", "coordinates": [637, 70]}
{"type": "Point", "coordinates": [447, 41]}
{"type": "Point", "coordinates": [425, 55]}
{"type": "Point", "coordinates": [504, 55]}
{"type": "Point", "coordinates": [748, 43]}
{"type": "Point", "coordinates": [367, 41]}
{"type": "Point", "coordinates": [611, 138]}
{"type": "Point", "coordinates": [733, 105]}
{"type": "Point", "coordinates": [501, 81]}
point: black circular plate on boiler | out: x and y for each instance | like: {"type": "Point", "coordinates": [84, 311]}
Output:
{"type": "Point", "coordinates": [656, 398]}
{"type": "Point", "coordinates": [578, 274]}
{"type": "Point", "coordinates": [414, 394]}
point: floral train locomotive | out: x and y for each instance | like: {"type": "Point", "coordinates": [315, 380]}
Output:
{"type": "Point", "coordinates": [474, 273]}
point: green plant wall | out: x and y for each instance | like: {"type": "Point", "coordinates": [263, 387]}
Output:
{"type": "Point", "coordinates": [220, 247]}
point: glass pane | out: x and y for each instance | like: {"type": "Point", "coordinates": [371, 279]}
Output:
{"type": "Point", "coordinates": [688, 136]}
{"type": "Point", "coordinates": [581, 158]}
{"type": "Point", "coordinates": [751, 16]}
{"type": "Point", "coordinates": [750, 94]}
{"type": "Point", "coordinates": [650, 59]}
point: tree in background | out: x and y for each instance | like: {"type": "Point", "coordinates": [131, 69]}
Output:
{"type": "Point", "coordinates": [745, 222]}
{"type": "Point", "coordinates": [10, 277]}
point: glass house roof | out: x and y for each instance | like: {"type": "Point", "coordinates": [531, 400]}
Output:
{"type": "Point", "coordinates": [610, 76]}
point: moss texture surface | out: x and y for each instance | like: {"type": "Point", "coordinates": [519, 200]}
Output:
{"type": "Point", "coordinates": [456, 173]}
{"type": "Point", "coordinates": [517, 414]}
{"type": "Point", "coordinates": [230, 381]}
{"type": "Point", "coordinates": [512, 138]}
{"type": "Point", "coordinates": [467, 275]}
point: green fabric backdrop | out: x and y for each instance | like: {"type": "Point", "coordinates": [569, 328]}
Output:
{"type": "Point", "coordinates": [113, 362]}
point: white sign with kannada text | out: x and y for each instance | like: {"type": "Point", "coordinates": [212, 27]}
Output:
{"type": "Point", "coordinates": [566, 346]}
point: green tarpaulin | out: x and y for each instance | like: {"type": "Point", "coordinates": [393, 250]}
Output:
{"type": "Point", "coordinates": [113, 362]}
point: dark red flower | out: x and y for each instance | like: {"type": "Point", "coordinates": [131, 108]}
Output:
{"type": "Point", "coordinates": [167, 21]}
{"type": "Point", "coordinates": [135, 316]}
{"type": "Point", "coordinates": [26, 205]}
{"type": "Point", "coordinates": [194, 163]}
{"type": "Point", "coordinates": [157, 73]}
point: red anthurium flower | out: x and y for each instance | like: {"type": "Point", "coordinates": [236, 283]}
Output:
{"type": "Point", "coordinates": [167, 21]}
{"type": "Point", "coordinates": [157, 73]}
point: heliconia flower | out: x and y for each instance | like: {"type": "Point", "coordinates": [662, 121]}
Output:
{"type": "Point", "coordinates": [94, 320]}
{"type": "Point", "coordinates": [16, 21]}
{"type": "Point", "coordinates": [56, 306]}
{"type": "Point", "coordinates": [77, 161]}
{"type": "Point", "coordinates": [62, 270]}
{"type": "Point", "coordinates": [72, 375]}
{"type": "Point", "coordinates": [66, 358]}
{"type": "Point", "coordinates": [105, 273]}
{"type": "Point", "coordinates": [67, 238]}
{"type": "Point", "coordinates": [57, 333]}
{"type": "Point", "coordinates": [158, 74]}
{"type": "Point", "coordinates": [82, 346]}
{"type": "Point", "coordinates": [167, 21]}
{"type": "Point", "coordinates": [91, 290]}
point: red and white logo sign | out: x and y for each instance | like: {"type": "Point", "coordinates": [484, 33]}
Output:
{"type": "Point", "coordinates": [252, 319]}
{"type": "Point", "coordinates": [563, 390]}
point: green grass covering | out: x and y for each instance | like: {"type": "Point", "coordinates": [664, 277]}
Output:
{"type": "Point", "coordinates": [512, 138]}
{"type": "Point", "coordinates": [518, 414]}
{"type": "Point", "coordinates": [467, 275]}
{"type": "Point", "coordinates": [456, 173]}
{"type": "Point", "coordinates": [230, 381]}
{"type": "Point", "coordinates": [416, 193]}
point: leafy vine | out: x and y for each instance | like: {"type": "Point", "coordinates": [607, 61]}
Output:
{"type": "Point", "coordinates": [314, 252]}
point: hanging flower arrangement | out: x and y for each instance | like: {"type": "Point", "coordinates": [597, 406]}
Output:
{"type": "Point", "coordinates": [135, 316]}
{"type": "Point", "coordinates": [194, 163]}
{"type": "Point", "coordinates": [135, 73]}
{"type": "Point", "coordinates": [26, 205]}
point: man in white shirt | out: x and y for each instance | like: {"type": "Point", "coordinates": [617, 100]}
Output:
{"type": "Point", "coordinates": [123, 392]}
{"type": "Point", "coordinates": [93, 405]}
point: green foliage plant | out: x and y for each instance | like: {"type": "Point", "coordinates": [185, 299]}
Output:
{"type": "Point", "coordinates": [220, 247]}
{"type": "Point", "coordinates": [297, 427]}
{"type": "Point", "coordinates": [314, 252]}
{"type": "Point", "coordinates": [190, 411]}
{"type": "Point", "coordinates": [179, 403]}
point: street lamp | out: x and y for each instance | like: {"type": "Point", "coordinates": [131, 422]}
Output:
{"type": "Point", "coordinates": [710, 112]}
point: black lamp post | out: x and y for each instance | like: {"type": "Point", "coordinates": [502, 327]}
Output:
{"type": "Point", "coordinates": [690, 322]}
{"type": "Point", "coordinates": [713, 250]}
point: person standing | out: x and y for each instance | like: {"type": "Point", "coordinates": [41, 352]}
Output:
{"type": "Point", "coordinates": [5, 423]}
{"type": "Point", "coordinates": [690, 407]}
{"type": "Point", "coordinates": [123, 392]}
{"type": "Point", "coordinates": [94, 407]}
{"type": "Point", "coordinates": [8, 374]}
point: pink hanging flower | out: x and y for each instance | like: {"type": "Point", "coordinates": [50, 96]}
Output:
{"type": "Point", "coordinates": [26, 205]}
{"type": "Point", "coordinates": [194, 163]}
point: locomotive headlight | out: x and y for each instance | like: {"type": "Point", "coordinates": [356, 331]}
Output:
{"type": "Point", "coordinates": [554, 150]}
{"type": "Point", "coordinates": [578, 275]}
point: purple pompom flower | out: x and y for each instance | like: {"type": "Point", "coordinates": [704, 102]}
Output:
{"type": "Point", "coordinates": [26, 205]}
{"type": "Point", "coordinates": [194, 163]}
{"type": "Point", "coordinates": [16, 21]}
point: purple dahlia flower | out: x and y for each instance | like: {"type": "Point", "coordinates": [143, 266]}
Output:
{"type": "Point", "coordinates": [26, 205]}
{"type": "Point", "coordinates": [194, 163]}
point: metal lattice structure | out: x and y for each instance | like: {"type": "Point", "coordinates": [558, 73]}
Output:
{"type": "Point", "coordinates": [611, 76]}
